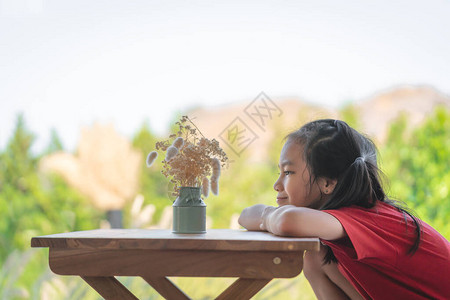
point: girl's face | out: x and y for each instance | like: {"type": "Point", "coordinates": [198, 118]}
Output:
{"type": "Point", "coordinates": [294, 185]}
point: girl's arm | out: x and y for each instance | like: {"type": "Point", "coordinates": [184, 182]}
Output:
{"type": "Point", "coordinates": [289, 220]}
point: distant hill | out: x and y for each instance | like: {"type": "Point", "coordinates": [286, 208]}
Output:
{"type": "Point", "coordinates": [252, 124]}
{"type": "Point", "coordinates": [379, 110]}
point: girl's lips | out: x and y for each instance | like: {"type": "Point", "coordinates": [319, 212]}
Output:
{"type": "Point", "coordinates": [280, 200]}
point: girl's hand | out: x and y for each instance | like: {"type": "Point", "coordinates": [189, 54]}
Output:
{"type": "Point", "coordinates": [251, 217]}
{"type": "Point", "coordinates": [266, 218]}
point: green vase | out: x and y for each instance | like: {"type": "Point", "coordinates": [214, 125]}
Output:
{"type": "Point", "coordinates": [189, 211]}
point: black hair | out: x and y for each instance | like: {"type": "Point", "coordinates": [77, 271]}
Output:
{"type": "Point", "coordinates": [334, 150]}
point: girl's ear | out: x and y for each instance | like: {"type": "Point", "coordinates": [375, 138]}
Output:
{"type": "Point", "coordinates": [327, 185]}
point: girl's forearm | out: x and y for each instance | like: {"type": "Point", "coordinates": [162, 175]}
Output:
{"type": "Point", "coordinates": [290, 220]}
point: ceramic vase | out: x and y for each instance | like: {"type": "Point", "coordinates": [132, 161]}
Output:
{"type": "Point", "coordinates": [189, 211]}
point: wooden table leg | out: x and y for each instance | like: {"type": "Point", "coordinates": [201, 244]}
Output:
{"type": "Point", "coordinates": [109, 288]}
{"type": "Point", "coordinates": [243, 288]}
{"type": "Point", "coordinates": [166, 288]}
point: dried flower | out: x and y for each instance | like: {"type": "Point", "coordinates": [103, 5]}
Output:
{"type": "Point", "coordinates": [205, 187]}
{"type": "Point", "coordinates": [191, 158]}
{"type": "Point", "coordinates": [151, 158]}
{"type": "Point", "coordinates": [215, 186]}
{"type": "Point", "coordinates": [215, 164]}
{"type": "Point", "coordinates": [178, 143]}
{"type": "Point", "coordinates": [171, 153]}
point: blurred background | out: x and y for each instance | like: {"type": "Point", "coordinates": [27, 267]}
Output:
{"type": "Point", "coordinates": [87, 88]}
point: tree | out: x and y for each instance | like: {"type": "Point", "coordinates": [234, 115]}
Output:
{"type": "Point", "coordinates": [417, 163]}
{"type": "Point", "coordinates": [55, 143]}
{"type": "Point", "coordinates": [31, 204]}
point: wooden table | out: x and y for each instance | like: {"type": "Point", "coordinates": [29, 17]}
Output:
{"type": "Point", "coordinates": [99, 255]}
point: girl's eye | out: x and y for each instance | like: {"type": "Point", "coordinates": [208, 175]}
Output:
{"type": "Point", "coordinates": [286, 173]}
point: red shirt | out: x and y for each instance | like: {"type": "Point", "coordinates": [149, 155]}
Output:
{"type": "Point", "coordinates": [373, 256]}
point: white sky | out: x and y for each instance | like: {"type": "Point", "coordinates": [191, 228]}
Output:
{"type": "Point", "coordinates": [65, 64]}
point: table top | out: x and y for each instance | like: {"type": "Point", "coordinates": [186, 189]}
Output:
{"type": "Point", "coordinates": [160, 239]}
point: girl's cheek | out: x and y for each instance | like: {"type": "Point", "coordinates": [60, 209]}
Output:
{"type": "Point", "coordinates": [286, 184]}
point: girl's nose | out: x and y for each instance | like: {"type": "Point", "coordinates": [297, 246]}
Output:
{"type": "Point", "coordinates": [277, 186]}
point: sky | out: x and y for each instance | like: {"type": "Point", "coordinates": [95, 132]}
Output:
{"type": "Point", "coordinates": [67, 64]}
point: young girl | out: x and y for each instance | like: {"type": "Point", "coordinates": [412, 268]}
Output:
{"type": "Point", "coordinates": [372, 248]}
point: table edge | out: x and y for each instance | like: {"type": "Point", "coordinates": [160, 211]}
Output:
{"type": "Point", "coordinates": [183, 243]}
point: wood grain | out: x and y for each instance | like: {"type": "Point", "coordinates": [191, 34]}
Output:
{"type": "Point", "coordinates": [195, 263]}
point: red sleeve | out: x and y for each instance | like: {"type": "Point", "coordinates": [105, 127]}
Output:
{"type": "Point", "coordinates": [366, 238]}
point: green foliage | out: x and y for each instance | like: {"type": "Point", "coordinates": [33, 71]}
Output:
{"type": "Point", "coordinates": [55, 143]}
{"type": "Point", "coordinates": [349, 114]}
{"type": "Point", "coordinates": [417, 163]}
{"type": "Point", "coordinates": [32, 205]}
{"type": "Point", "coordinates": [153, 185]}
{"type": "Point", "coordinates": [241, 185]}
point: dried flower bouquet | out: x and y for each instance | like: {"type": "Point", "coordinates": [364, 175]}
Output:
{"type": "Point", "coordinates": [190, 159]}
